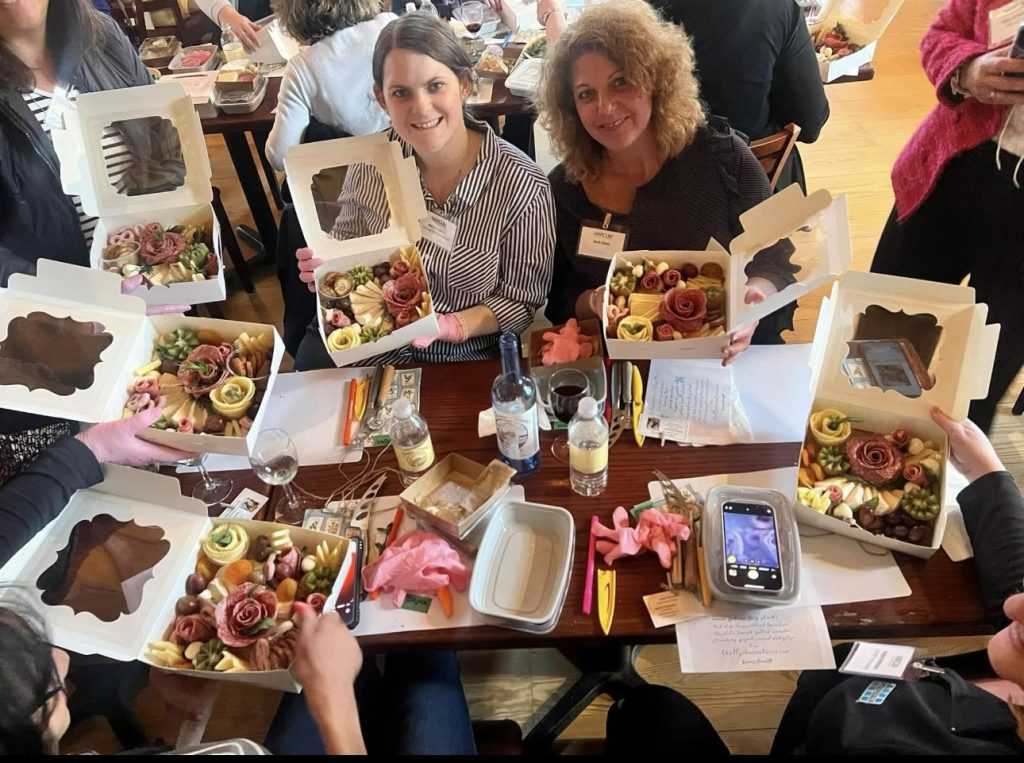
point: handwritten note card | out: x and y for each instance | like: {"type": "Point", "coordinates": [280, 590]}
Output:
{"type": "Point", "coordinates": [693, 401]}
{"type": "Point", "coordinates": [770, 639]}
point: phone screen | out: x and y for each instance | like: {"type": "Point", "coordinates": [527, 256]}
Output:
{"type": "Point", "coordinates": [751, 546]}
{"type": "Point", "coordinates": [351, 587]}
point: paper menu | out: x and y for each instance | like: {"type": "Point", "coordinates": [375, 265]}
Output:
{"type": "Point", "coordinates": [768, 639]}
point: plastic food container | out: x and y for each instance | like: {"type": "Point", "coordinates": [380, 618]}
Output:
{"type": "Point", "coordinates": [786, 537]}
{"type": "Point", "coordinates": [240, 101]}
{"type": "Point", "coordinates": [211, 62]}
{"type": "Point", "coordinates": [522, 568]}
{"type": "Point", "coordinates": [525, 77]}
{"type": "Point", "coordinates": [158, 51]}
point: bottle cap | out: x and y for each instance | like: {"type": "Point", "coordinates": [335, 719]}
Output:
{"type": "Point", "coordinates": [401, 408]}
{"type": "Point", "coordinates": [588, 408]}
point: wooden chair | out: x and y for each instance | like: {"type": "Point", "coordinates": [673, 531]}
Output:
{"type": "Point", "coordinates": [773, 151]}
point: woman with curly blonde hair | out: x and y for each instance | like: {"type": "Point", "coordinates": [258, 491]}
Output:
{"type": "Point", "coordinates": [330, 81]}
{"type": "Point", "coordinates": [621, 105]}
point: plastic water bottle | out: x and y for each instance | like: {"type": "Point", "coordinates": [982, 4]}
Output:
{"type": "Point", "coordinates": [230, 45]}
{"type": "Point", "coordinates": [411, 440]}
{"type": "Point", "coordinates": [588, 449]}
{"type": "Point", "coordinates": [428, 7]}
{"type": "Point", "coordinates": [514, 397]}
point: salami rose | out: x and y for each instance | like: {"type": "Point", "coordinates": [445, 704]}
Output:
{"type": "Point", "coordinates": [161, 248]}
{"type": "Point", "coordinates": [189, 628]}
{"type": "Point", "coordinates": [405, 316]}
{"type": "Point", "coordinates": [915, 473]}
{"type": "Point", "coordinates": [684, 309]}
{"type": "Point", "coordinates": [404, 292]}
{"type": "Point", "coordinates": [663, 332]}
{"type": "Point", "coordinates": [203, 370]}
{"type": "Point", "coordinates": [650, 281]}
{"type": "Point", "coordinates": [399, 269]}
{"type": "Point", "coordinates": [874, 459]}
{"type": "Point", "coordinates": [245, 613]}
{"type": "Point", "coordinates": [900, 438]}
{"type": "Point", "coordinates": [671, 277]}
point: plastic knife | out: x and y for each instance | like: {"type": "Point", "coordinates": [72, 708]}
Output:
{"type": "Point", "coordinates": [606, 599]}
{"type": "Point", "coordinates": [638, 404]}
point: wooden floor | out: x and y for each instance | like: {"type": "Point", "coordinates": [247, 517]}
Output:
{"type": "Point", "coordinates": [870, 124]}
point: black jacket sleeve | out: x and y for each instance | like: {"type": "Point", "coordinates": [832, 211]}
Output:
{"type": "Point", "coordinates": [35, 496]}
{"type": "Point", "coordinates": [11, 263]}
{"type": "Point", "coordinates": [797, 93]}
{"type": "Point", "coordinates": [993, 510]}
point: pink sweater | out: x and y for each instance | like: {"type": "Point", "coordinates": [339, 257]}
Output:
{"type": "Point", "coordinates": [958, 33]}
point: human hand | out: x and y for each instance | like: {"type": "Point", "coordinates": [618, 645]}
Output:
{"type": "Point", "coordinates": [596, 300]}
{"type": "Point", "coordinates": [758, 290]}
{"type": "Point", "coordinates": [969, 449]}
{"type": "Point", "coordinates": [988, 78]}
{"type": "Point", "coordinates": [115, 442]}
{"type": "Point", "coordinates": [307, 264]}
{"type": "Point", "coordinates": [495, 4]}
{"type": "Point", "coordinates": [248, 31]}
{"type": "Point", "coordinates": [165, 309]}
{"type": "Point", "coordinates": [449, 329]}
{"type": "Point", "coordinates": [328, 657]}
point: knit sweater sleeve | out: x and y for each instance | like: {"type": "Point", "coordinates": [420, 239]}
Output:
{"type": "Point", "coordinates": [293, 113]}
{"type": "Point", "coordinates": [948, 43]}
{"type": "Point", "coordinates": [35, 496]}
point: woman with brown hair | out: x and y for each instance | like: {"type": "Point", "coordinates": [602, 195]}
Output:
{"type": "Point", "coordinates": [487, 250]}
{"type": "Point", "coordinates": [620, 102]}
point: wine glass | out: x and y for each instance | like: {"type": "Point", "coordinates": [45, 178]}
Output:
{"type": "Point", "coordinates": [276, 462]}
{"type": "Point", "coordinates": [212, 491]}
{"type": "Point", "coordinates": [472, 16]}
{"type": "Point", "coordinates": [565, 390]}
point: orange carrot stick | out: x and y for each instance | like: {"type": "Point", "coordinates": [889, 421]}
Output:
{"type": "Point", "coordinates": [444, 595]}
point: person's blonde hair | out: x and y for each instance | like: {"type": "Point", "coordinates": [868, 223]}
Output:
{"type": "Point", "coordinates": [654, 55]}
{"type": "Point", "coordinates": [311, 20]}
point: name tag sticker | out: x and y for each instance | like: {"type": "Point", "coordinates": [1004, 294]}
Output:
{"type": "Point", "coordinates": [1003, 23]}
{"type": "Point", "coordinates": [602, 240]}
{"type": "Point", "coordinates": [439, 230]}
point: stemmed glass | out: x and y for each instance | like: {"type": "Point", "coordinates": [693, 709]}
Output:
{"type": "Point", "coordinates": [472, 16]}
{"type": "Point", "coordinates": [276, 462]}
{"type": "Point", "coordinates": [565, 390]}
{"type": "Point", "coordinates": [212, 491]}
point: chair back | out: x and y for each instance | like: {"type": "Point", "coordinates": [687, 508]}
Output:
{"type": "Point", "coordinates": [774, 151]}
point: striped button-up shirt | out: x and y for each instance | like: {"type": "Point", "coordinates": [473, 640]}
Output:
{"type": "Point", "coordinates": [503, 249]}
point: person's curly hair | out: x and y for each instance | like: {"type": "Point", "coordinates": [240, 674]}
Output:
{"type": "Point", "coordinates": [311, 20]}
{"type": "Point", "coordinates": [655, 56]}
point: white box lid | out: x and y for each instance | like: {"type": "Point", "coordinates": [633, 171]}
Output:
{"type": "Point", "coordinates": [822, 252]}
{"type": "Point", "coordinates": [961, 365]}
{"type": "Point", "coordinates": [126, 494]}
{"type": "Point", "coordinates": [863, 20]}
{"type": "Point", "coordinates": [401, 183]}
{"type": "Point", "coordinates": [83, 167]}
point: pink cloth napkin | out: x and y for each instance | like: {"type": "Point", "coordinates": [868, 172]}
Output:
{"type": "Point", "coordinates": [418, 562]}
{"type": "Point", "coordinates": [655, 531]}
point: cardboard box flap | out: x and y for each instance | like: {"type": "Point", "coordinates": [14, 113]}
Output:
{"type": "Point", "coordinates": [902, 346]}
{"type": "Point", "coordinates": [114, 322]}
{"type": "Point", "coordinates": [156, 524]}
{"type": "Point", "coordinates": [401, 183]}
{"type": "Point", "coordinates": [788, 236]}
{"type": "Point", "coordinates": [863, 20]}
{"type": "Point", "coordinates": [160, 126]}
{"type": "Point", "coordinates": [275, 46]}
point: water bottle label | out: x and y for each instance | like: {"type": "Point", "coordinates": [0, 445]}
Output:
{"type": "Point", "coordinates": [518, 437]}
{"type": "Point", "coordinates": [417, 458]}
{"type": "Point", "coordinates": [588, 460]}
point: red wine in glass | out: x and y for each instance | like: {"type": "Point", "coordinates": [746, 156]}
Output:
{"type": "Point", "coordinates": [565, 399]}
{"type": "Point", "coordinates": [473, 27]}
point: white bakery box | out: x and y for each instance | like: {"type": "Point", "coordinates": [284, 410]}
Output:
{"type": "Point", "coordinates": [405, 200]}
{"type": "Point", "coordinates": [960, 368]}
{"type": "Point", "coordinates": [864, 22]}
{"type": "Point", "coordinates": [150, 500]}
{"type": "Point", "coordinates": [276, 47]}
{"type": "Point", "coordinates": [83, 173]}
{"type": "Point", "coordinates": [87, 295]}
{"type": "Point", "coordinates": [815, 225]}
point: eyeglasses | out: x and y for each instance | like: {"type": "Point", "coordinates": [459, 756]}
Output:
{"type": "Point", "coordinates": [59, 688]}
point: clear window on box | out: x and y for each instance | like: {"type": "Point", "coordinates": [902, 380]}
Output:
{"type": "Point", "coordinates": [360, 205]}
{"type": "Point", "coordinates": [892, 351]}
{"type": "Point", "coordinates": [143, 156]}
{"type": "Point", "coordinates": [28, 356]}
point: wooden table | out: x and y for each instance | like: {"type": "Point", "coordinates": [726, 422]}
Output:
{"type": "Point", "coordinates": [945, 599]}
